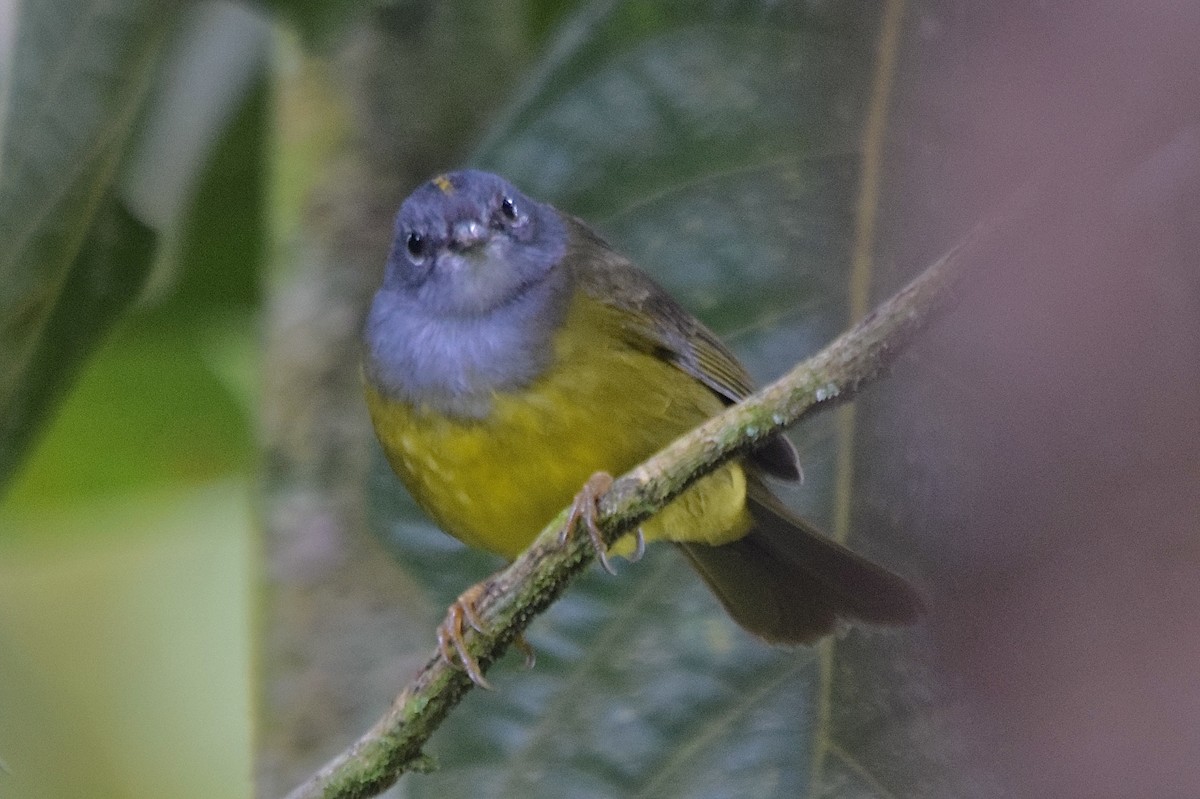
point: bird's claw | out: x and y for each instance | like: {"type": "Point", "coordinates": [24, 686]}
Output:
{"type": "Point", "coordinates": [639, 547]}
{"type": "Point", "coordinates": [526, 650]}
{"type": "Point", "coordinates": [585, 508]}
{"type": "Point", "coordinates": [451, 643]}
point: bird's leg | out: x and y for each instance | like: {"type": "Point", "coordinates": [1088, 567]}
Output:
{"type": "Point", "coordinates": [584, 510]}
{"type": "Point", "coordinates": [450, 633]}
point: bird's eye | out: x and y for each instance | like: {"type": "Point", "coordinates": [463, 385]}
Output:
{"type": "Point", "coordinates": [509, 209]}
{"type": "Point", "coordinates": [415, 244]}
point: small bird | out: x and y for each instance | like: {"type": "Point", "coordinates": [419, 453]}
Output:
{"type": "Point", "coordinates": [512, 361]}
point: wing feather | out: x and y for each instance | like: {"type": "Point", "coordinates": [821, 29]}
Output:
{"type": "Point", "coordinates": [656, 323]}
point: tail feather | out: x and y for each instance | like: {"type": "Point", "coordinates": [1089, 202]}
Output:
{"type": "Point", "coordinates": [787, 583]}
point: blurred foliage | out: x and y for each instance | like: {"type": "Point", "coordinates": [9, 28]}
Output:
{"type": "Point", "coordinates": [72, 257]}
{"type": "Point", "coordinates": [166, 400]}
{"type": "Point", "coordinates": [131, 269]}
{"type": "Point", "coordinates": [149, 165]}
{"type": "Point", "coordinates": [124, 643]}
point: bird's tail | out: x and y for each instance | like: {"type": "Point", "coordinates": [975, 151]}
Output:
{"type": "Point", "coordinates": [787, 583]}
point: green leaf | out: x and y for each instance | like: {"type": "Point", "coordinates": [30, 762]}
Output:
{"type": "Point", "coordinates": [717, 146]}
{"type": "Point", "coordinates": [97, 171]}
{"type": "Point", "coordinates": [97, 288]}
{"type": "Point", "coordinates": [154, 406]}
{"type": "Point", "coordinates": [71, 255]}
{"type": "Point", "coordinates": [126, 539]}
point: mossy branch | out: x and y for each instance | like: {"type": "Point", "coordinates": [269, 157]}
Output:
{"type": "Point", "coordinates": [512, 597]}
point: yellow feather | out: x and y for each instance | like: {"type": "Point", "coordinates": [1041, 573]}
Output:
{"type": "Point", "coordinates": [494, 483]}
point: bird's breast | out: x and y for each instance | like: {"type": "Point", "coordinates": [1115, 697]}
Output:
{"type": "Point", "coordinates": [496, 480]}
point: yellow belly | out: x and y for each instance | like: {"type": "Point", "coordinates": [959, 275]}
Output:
{"type": "Point", "coordinates": [494, 483]}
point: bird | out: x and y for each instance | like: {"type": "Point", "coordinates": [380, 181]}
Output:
{"type": "Point", "coordinates": [513, 361]}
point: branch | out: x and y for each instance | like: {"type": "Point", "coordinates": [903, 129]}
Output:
{"type": "Point", "coordinates": [512, 597]}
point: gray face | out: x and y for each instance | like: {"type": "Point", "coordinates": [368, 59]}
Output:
{"type": "Point", "coordinates": [468, 242]}
{"type": "Point", "coordinates": [474, 289]}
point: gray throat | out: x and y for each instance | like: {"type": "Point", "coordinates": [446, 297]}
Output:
{"type": "Point", "coordinates": [454, 365]}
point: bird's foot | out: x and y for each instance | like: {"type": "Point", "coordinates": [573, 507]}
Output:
{"type": "Point", "coordinates": [451, 643]}
{"type": "Point", "coordinates": [583, 512]}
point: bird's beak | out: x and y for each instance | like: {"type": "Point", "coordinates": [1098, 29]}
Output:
{"type": "Point", "coordinates": [467, 235]}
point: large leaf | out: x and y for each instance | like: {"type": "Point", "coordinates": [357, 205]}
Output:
{"type": "Point", "coordinates": [113, 109]}
{"type": "Point", "coordinates": [716, 146]}
{"type": "Point", "coordinates": [125, 540]}
{"type": "Point", "coordinates": [71, 255]}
